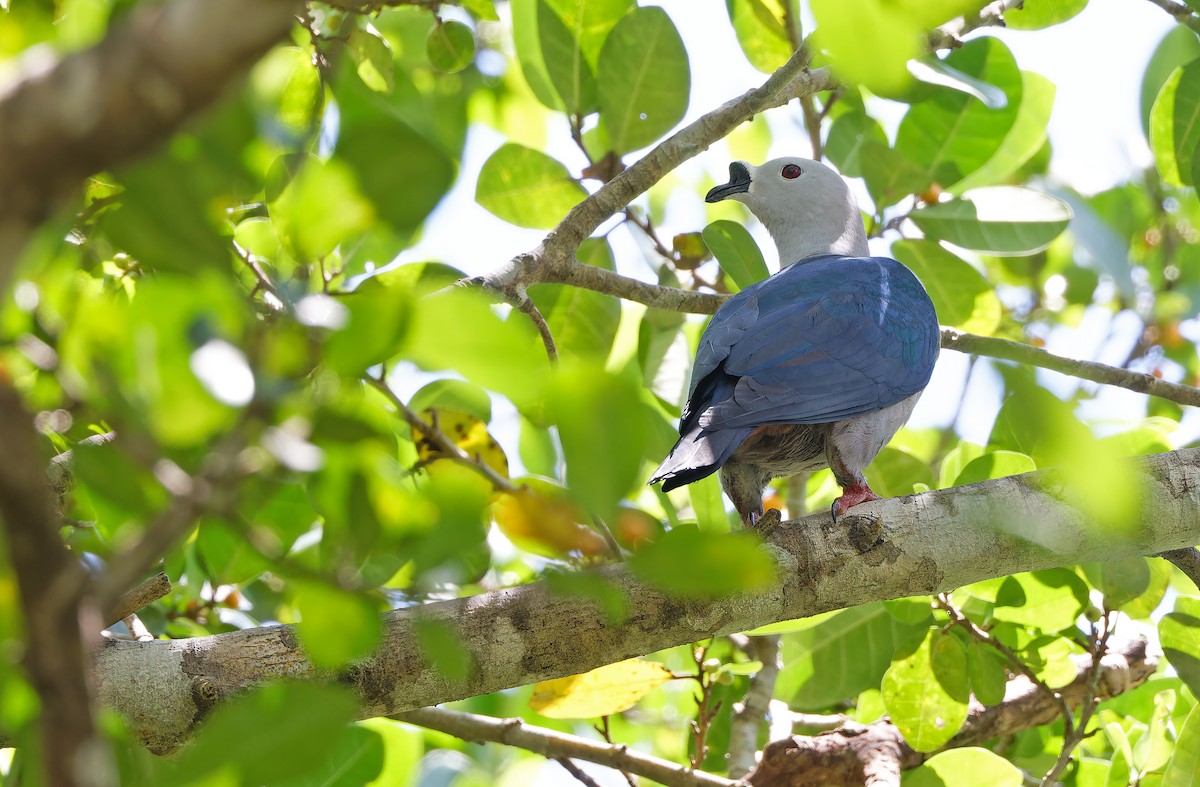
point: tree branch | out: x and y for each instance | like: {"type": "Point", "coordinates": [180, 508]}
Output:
{"type": "Point", "coordinates": [554, 745]}
{"type": "Point", "coordinates": [139, 598]}
{"type": "Point", "coordinates": [1182, 13]}
{"type": "Point", "coordinates": [64, 118]}
{"type": "Point", "coordinates": [750, 715]}
{"type": "Point", "coordinates": [914, 545]}
{"type": "Point", "coordinates": [843, 756]}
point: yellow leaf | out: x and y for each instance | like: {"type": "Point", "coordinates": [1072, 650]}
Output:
{"type": "Point", "coordinates": [467, 432]}
{"type": "Point", "coordinates": [540, 518]}
{"type": "Point", "coordinates": [601, 692]}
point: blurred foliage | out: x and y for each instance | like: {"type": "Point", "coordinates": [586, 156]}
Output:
{"type": "Point", "coordinates": [248, 281]}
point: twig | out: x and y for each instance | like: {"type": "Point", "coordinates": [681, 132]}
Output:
{"type": "Point", "coordinates": [1182, 13]}
{"type": "Point", "coordinates": [138, 629]}
{"type": "Point", "coordinates": [1187, 561]}
{"type": "Point", "coordinates": [1018, 666]}
{"type": "Point", "coordinates": [139, 598]}
{"type": "Point", "coordinates": [1086, 370]}
{"type": "Point", "coordinates": [1091, 698]}
{"type": "Point", "coordinates": [524, 304]}
{"type": "Point", "coordinates": [576, 771]}
{"type": "Point", "coordinates": [440, 441]}
{"type": "Point", "coordinates": [606, 733]}
{"type": "Point", "coordinates": [554, 744]}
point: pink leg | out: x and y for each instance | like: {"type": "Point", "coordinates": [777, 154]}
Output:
{"type": "Point", "coordinates": [852, 495]}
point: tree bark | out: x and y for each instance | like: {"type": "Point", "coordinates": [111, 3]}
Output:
{"type": "Point", "coordinates": [906, 546]}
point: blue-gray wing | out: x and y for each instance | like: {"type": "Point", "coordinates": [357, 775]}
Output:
{"type": "Point", "coordinates": [820, 341]}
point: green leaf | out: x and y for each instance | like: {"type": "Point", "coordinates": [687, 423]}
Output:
{"type": "Point", "coordinates": [1178, 47]}
{"type": "Point", "coordinates": [457, 329]}
{"type": "Point", "coordinates": [1144, 605]}
{"type": "Point", "coordinates": [995, 464]}
{"type": "Point", "coordinates": [227, 556]}
{"type": "Point", "coordinates": [376, 326]}
{"type": "Point", "coordinates": [889, 175]}
{"type": "Point", "coordinates": [373, 59]}
{"type": "Point", "coordinates": [450, 46]}
{"type": "Point", "coordinates": [1184, 767]}
{"type": "Point", "coordinates": [453, 395]}
{"type": "Point", "coordinates": [583, 322]}
{"type": "Point", "coordinates": [286, 87]}
{"type": "Point", "coordinates": [573, 77]}
{"type": "Point", "coordinates": [927, 693]}
{"type": "Point", "coordinates": [1121, 581]}
{"type": "Point", "coordinates": [1175, 125]}
{"type": "Point", "coordinates": [841, 654]}
{"type": "Point", "coordinates": [403, 746]}
{"type": "Point", "coordinates": [1153, 750]}
{"type": "Point", "coordinates": [688, 563]}
{"type": "Point", "coordinates": [998, 219]}
{"type": "Point", "coordinates": [527, 42]}
{"type": "Point", "coordinates": [966, 767]}
{"type": "Point", "coordinates": [1049, 600]}
{"type": "Point", "coordinates": [986, 668]}
{"type": "Point", "coordinates": [354, 758]}
{"type": "Point", "coordinates": [1024, 139]}
{"type": "Point", "coordinates": [962, 297]}
{"type": "Point", "coordinates": [1036, 14]}
{"type": "Point", "coordinates": [526, 187]}
{"type": "Point", "coordinates": [643, 79]}
{"type": "Point", "coordinates": [952, 134]}
{"type": "Point", "coordinates": [306, 226]}
{"type": "Point", "coordinates": [847, 138]}
{"type": "Point", "coordinates": [895, 472]}
{"type": "Point", "coordinates": [1179, 633]}
{"type": "Point", "coordinates": [736, 252]}
{"type": "Point", "coordinates": [443, 649]}
{"type": "Point", "coordinates": [761, 27]}
{"type": "Point", "coordinates": [932, 70]}
{"type": "Point", "coordinates": [602, 425]}
{"type": "Point", "coordinates": [336, 626]}
{"type": "Point", "coordinates": [708, 505]}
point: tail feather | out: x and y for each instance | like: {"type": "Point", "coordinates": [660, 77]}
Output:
{"type": "Point", "coordinates": [698, 454]}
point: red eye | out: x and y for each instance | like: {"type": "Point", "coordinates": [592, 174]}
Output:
{"type": "Point", "coordinates": [791, 171]}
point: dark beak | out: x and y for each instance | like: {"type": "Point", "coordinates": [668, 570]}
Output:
{"type": "Point", "coordinates": [739, 183]}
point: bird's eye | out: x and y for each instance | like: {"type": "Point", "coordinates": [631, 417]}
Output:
{"type": "Point", "coordinates": [791, 171]}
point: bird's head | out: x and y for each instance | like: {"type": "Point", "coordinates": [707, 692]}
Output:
{"type": "Point", "coordinates": [805, 205]}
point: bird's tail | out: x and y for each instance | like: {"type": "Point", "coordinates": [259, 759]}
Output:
{"type": "Point", "coordinates": [698, 453]}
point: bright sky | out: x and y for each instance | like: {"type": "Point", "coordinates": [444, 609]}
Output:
{"type": "Point", "coordinates": [1095, 59]}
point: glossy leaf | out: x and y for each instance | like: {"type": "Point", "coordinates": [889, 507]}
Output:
{"type": "Point", "coordinates": [962, 297]}
{"type": "Point", "coordinates": [952, 134]}
{"type": "Point", "coordinates": [966, 767]}
{"type": "Point", "coordinates": [1178, 47]}
{"type": "Point", "coordinates": [526, 187]}
{"type": "Point", "coordinates": [1049, 600]}
{"type": "Point", "coordinates": [373, 57]}
{"type": "Point", "coordinates": [643, 79]}
{"type": "Point", "coordinates": [528, 45]}
{"type": "Point", "coordinates": [998, 219]}
{"type": "Point", "coordinates": [927, 692]}
{"type": "Point", "coordinates": [737, 253]}
{"type": "Point", "coordinates": [1184, 768]}
{"type": "Point", "coordinates": [602, 692]}
{"type": "Point", "coordinates": [846, 140]}
{"type": "Point", "coordinates": [1179, 632]}
{"type": "Point", "coordinates": [761, 27]}
{"type": "Point", "coordinates": [1175, 125]}
{"type": "Point", "coordinates": [1024, 139]}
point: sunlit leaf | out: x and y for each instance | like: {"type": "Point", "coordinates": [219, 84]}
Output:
{"type": "Point", "coordinates": [994, 464]}
{"type": "Point", "coordinates": [762, 30]}
{"type": "Point", "coordinates": [602, 692]}
{"type": "Point", "coordinates": [926, 693]}
{"type": "Point", "coordinates": [1184, 768]}
{"type": "Point", "coordinates": [998, 219]}
{"type": "Point", "coordinates": [960, 294]}
{"type": "Point", "coordinates": [336, 626]}
{"type": "Point", "coordinates": [1179, 633]}
{"type": "Point", "coordinates": [1178, 47]}
{"type": "Point", "coordinates": [1175, 125]}
{"type": "Point", "coordinates": [690, 563]}
{"type": "Point", "coordinates": [443, 649]}
{"type": "Point", "coordinates": [1050, 600]}
{"type": "Point", "coordinates": [1036, 14]}
{"type": "Point", "coordinates": [450, 46]}
{"type": "Point", "coordinates": [966, 767]}
{"type": "Point", "coordinates": [1024, 139]}
{"type": "Point", "coordinates": [526, 187]}
{"type": "Point", "coordinates": [1120, 581]}
{"type": "Point", "coordinates": [737, 253]}
{"type": "Point", "coordinates": [542, 519]}
{"type": "Point", "coordinates": [643, 79]}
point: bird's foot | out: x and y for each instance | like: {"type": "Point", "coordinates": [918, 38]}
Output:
{"type": "Point", "coordinates": [851, 496]}
{"type": "Point", "coordinates": [765, 522]}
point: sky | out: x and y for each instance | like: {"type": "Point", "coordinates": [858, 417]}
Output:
{"type": "Point", "coordinates": [1096, 60]}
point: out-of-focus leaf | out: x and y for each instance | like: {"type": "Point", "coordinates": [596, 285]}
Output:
{"type": "Point", "coordinates": [336, 626]}
{"type": "Point", "coordinates": [443, 649]}
{"type": "Point", "coordinates": [1184, 768]}
{"type": "Point", "coordinates": [708, 505]}
{"type": "Point", "coordinates": [402, 750]}
{"type": "Point", "coordinates": [689, 563]}
{"type": "Point", "coordinates": [528, 44]}
{"type": "Point", "coordinates": [541, 518]}
{"type": "Point", "coordinates": [1121, 581]}
{"type": "Point", "coordinates": [482, 9]}
{"type": "Point", "coordinates": [890, 176]}
{"type": "Point", "coordinates": [378, 322]}
{"type": "Point", "coordinates": [966, 767]}
{"type": "Point", "coordinates": [450, 46]}
{"type": "Point", "coordinates": [1141, 607]}
{"type": "Point", "coordinates": [841, 654]}
{"type": "Point", "coordinates": [998, 220]}
{"type": "Point", "coordinates": [1174, 126]}
{"type": "Point", "coordinates": [926, 693]}
{"type": "Point", "coordinates": [467, 432]}
{"type": "Point", "coordinates": [226, 554]}
{"type": "Point", "coordinates": [373, 58]}
{"type": "Point", "coordinates": [1153, 750]}
{"type": "Point", "coordinates": [584, 323]}
{"type": "Point", "coordinates": [643, 79]}
{"type": "Point", "coordinates": [952, 134]}
{"type": "Point", "coordinates": [526, 187]}
{"type": "Point", "coordinates": [454, 395]}
{"type": "Point", "coordinates": [1024, 139]}
{"type": "Point", "coordinates": [307, 227]}
{"type": "Point", "coordinates": [1178, 47]}
{"type": "Point", "coordinates": [602, 425]}
{"type": "Point", "coordinates": [602, 692]}
{"type": "Point", "coordinates": [995, 464]}
{"type": "Point", "coordinates": [737, 253]}
{"type": "Point", "coordinates": [286, 90]}
{"type": "Point", "coordinates": [1050, 658]}
{"type": "Point", "coordinates": [895, 472]}
{"type": "Point", "coordinates": [355, 757]}
{"type": "Point", "coordinates": [1036, 14]}
{"type": "Point", "coordinates": [761, 27]}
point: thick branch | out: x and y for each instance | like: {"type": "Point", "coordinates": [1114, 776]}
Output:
{"type": "Point", "coordinates": [51, 587]}
{"type": "Point", "coordinates": [844, 756]}
{"type": "Point", "coordinates": [900, 547]}
{"type": "Point", "coordinates": [553, 744]}
{"type": "Point", "coordinates": [62, 119]}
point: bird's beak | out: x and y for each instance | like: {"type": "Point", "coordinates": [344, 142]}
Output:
{"type": "Point", "coordinates": [739, 183]}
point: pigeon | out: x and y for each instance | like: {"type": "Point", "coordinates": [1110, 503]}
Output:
{"type": "Point", "coordinates": [816, 366]}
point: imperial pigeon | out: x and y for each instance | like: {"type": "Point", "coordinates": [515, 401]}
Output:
{"type": "Point", "coordinates": [816, 366]}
